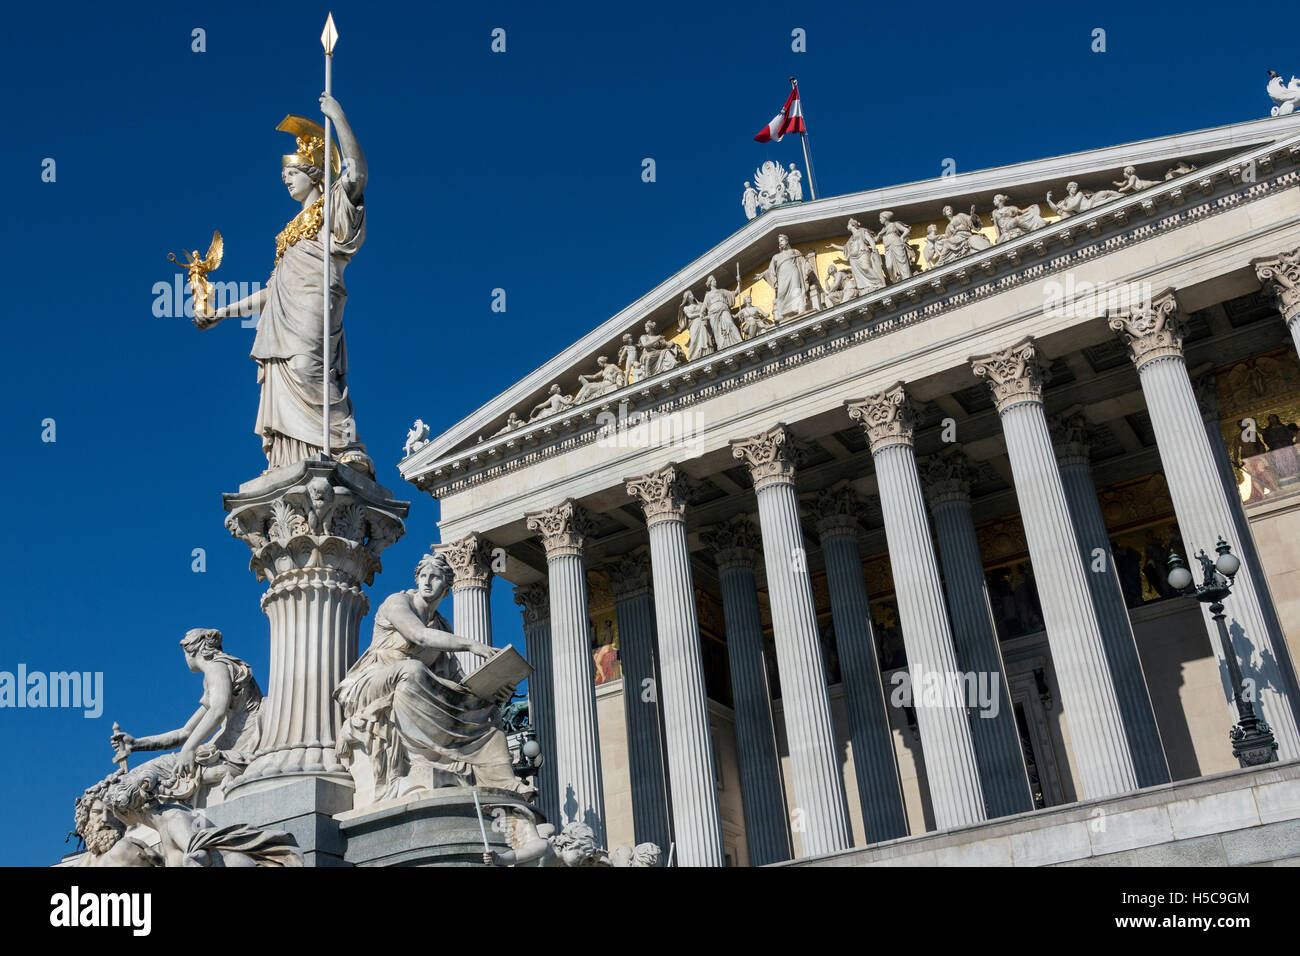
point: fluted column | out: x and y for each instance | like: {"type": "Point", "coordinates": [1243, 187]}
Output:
{"type": "Point", "coordinates": [535, 606]}
{"type": "Point", "coordinates": [1154, 335]}
{"type": "Point", "coordinates": [316, 533]}
{"type": "Point", "coordinates": [736, 546]}
{"type": "Point", "coordinates": [950, 764]}
{"type": "Point", "coordinates": [563, 530]}
{"type": "Point", "coordinates": [697, 820]}
{"type": "Point", "coordinates": [629, 577]}
{"type": "Point", "coordinates": [471, 590]}
{"type": "Point", "coordinates": [1071, 437]}
{"type": "Point", "coordinates": [820, 813]}
{"type": "Point", "coordinates": [1105, 765]}
{"type": "Point", "coordinates": [1281, 276]}
{"type": "Point", "coordinates": [1001, 760]}
{"type": "Point", "coordinates": [836, 512]}
{"type": "Point", "coordinates": [1208, 401]}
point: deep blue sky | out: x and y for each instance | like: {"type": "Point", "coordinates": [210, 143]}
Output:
{"type": "Point", "coordinates": [519, 170]}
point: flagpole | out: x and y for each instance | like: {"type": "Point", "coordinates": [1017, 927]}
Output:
{"type": "Point", "coordinates": [327, 39]}
{"type": "Point", "coordinates": [803, 139]}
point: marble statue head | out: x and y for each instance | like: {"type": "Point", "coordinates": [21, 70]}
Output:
{"type": "Point", "coordinates": [747, 299]}
{"type": "Point", "coordinates": [433, 577]}
{"type": "Point", "coordinates": [947, 212]}
{"type": "Point", "coordinates": [93, 821]}
{"type": "Point", "coordinates": [710, 283]}
{"type": "Point", "coordinates": [854, 224]}
{"type": "Point", "coordinates": [783, 241]}
{"type": "Point", "coordinates": [999, 199]}
{"type": "Point", "coordinates": [1071, 188]}
{"type": "Point", "coordinates": [320, 493]}
{"type": "Point", "coordinates": [301, 180]}
{"type": "Point", "coordinates": [575, 844]}
{"type": "Point", "coordinates": [886, 217]}
{"type": "Point", "coordinates": [650, 327]}
{"type": "Point", "coordinates": [200, 643]}
{"type": "Point", "coordinates": [136, 791]}
{"type": "Point", "coordinates": [627, 338]}
{"type": "Point", "coordinates": [1130, 170]}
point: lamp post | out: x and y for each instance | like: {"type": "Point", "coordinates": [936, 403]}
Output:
{"type": "Point", "coordinates": [1252, 740]}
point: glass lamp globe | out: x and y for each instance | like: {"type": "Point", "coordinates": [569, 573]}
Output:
{"type": "Point", "coordinates": [1227, 564]}
{"type": "Point", "coordinates": [1180, 578]}
{"type": "Point", "coordinates": [531, 749]}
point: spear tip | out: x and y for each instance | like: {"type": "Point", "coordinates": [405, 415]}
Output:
{"type": "Point", "coordinates": [329, 36]}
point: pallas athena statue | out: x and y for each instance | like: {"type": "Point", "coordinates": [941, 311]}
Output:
{"type": "Point", "coordinates": [289, 346]}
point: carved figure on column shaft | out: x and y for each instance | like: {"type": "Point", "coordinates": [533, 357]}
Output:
{"type": "Point", "coordinates": [718, 304]}
{"type": "Point", "coordinates": [899, 256]}
{"type": "Point", "coordinates": [220, 737]}
{"type": "Point", "coordinates": [1080, 200]}
{"type": "Point", "coordinates": [405, 708]}
{"type": "Point", "coordinates": [862, 258]}
{"type": "Point", "coordinates": [554, 403]}
{"type": "Point", "coordinates": [1012, 221]}
{"type": "Point", "coordinates": [1131, 183]}
{"type": "Point", "coordinates": [753, 320]}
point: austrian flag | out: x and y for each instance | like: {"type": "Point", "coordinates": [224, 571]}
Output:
{"type": "Point", "coordinates": [789, 120]}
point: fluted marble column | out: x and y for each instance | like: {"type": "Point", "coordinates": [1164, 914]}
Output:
{"type": "Point", "coordinates": [736, 546]}
{"type": "Point", "coordinates": [1154, 335]}
{"type": "Point", "coordinates": [1071, 437]}
{"type": "Point", "coordinates": [820, 811]}
{"type": "Point", "coordinates": [471, 590]}
{"type": "Point", "coordinates": [563, 530]}
{"type": "Point", "coordinates": [1001, 760]}
{"type": "Point", "coordinates": [1281, 276]}
{"type": "Point", "coordinates": [535, 606]}
{"type": "Point", "coordinates": [1207, 400]}
{"type": "Point", "coordinates": [697, 819]}
{"type": "Point", "coordinates": [950, 764]}
{"type": "Point", "coordinates": [316, 530]}
{"type": "Point", "coordinates": [629, 578]}
{"type": "Point", "coordinates": [836, 512]}
{"type": "Point", "coordinates": [1105, 765]}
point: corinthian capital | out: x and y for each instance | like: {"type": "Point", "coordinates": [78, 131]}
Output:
{"type": "Point", "coordinates": [662, 493]}
{"type": "Point", "coordinates": [534, 601]}
{"type": "Point", "coordinates": [770, 455]}
{"type": "Point", "coordinates": [888, 417]}
{"type": "Point", "coordinates": [1281, 276]}
{"type": "Point", "coordinates": [837, 510]}
{"type": "Point", "coordinates": [1151, 331]}
{"type": "Point", "coordinates": [1015, 375]}
{"type": "Point", "coordinates": [736, 542]}
{"type": "Point", "coordinates": [470, 559]}
{"type": "Point", "coordinates": [946, 476]}
{"type": "Point", "coordinates": [563, 529]}
{"type": "Point", "coordinates": [629, 574]}
{"type": "Point", "coordinates": [1071, 436]}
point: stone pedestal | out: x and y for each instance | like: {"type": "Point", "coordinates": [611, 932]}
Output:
{"type": "Point", "coordinates": [440, 829]}
{"type": "Point", "coordinates": [304, 806]}
{"type": "Point", "coordinates": [316, 530]}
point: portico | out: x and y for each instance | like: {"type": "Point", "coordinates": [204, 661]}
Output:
{"type": "Point", "coordinates": [774, 623]}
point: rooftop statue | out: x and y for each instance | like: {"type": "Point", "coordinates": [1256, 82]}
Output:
{"type": "Point", "coordinates": [604, 380]}
{"type": "Point", "coordinates": [416, 438]}
{"type": "Point", "coordinates": [658, 353]}
{"type": "Point", "coordinates": [962, 236]}
{"type": "Point", "coordinates": [405, 707]}
{"type": "Point", "coordinates": [1131, 183]}
{"type": "Point", "coordinates": [749, 200]}
{"type": "Point", "coordinates": [770, 182]}
{"type": "Point", "coordinates": [690, 316]}
{"type": "Point", "coordinates": [290, 342]}
{"type": "Point", "coordinates": [629, 360]}
{"type": "Point", "coordinates": [794, 184]}
{"type": "Point", "coordinates": [556, 401]}
{"type": "Point", "coordinates": [220, 737]}
{"type": "Point", "coordinates": [1284, 96]}
{"type": "Point", "coordinates": [1080, 200]}
{"type": "Point", "coordinates": [1012, 221]}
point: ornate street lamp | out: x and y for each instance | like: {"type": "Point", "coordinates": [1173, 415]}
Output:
{"type": "Point", "coordinates": [1252, 740]}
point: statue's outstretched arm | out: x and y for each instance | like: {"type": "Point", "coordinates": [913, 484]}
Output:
{"type": "Point", "coordinates": [408, 624]}
{"type": "Point", "coordinates": [249, 305]}
{"type": "Point", "coordinates": [164, 741]}
{"type": "Point", "coordinates": [354, 161]}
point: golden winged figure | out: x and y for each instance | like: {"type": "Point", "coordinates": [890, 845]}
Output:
{"type": "Point", "coordinates": [198, 269]}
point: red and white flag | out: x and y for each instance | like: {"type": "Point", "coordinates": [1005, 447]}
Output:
{"type": "Point", "coordinates": [789, 120]}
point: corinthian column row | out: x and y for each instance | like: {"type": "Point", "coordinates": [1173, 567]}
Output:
{"type": "Point", "coordinates": [1281, 276]}
{"type": "Point", "coordinates": [820, 809]}
{"type": "Point", "coordinates": [691, 774]}
{"type": "Point", "coordinates": [1105, 764]}
{"type": "Point", "coordinates": [1154, 334]}
{"type": "Point", "coordinates": [951, 768]}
